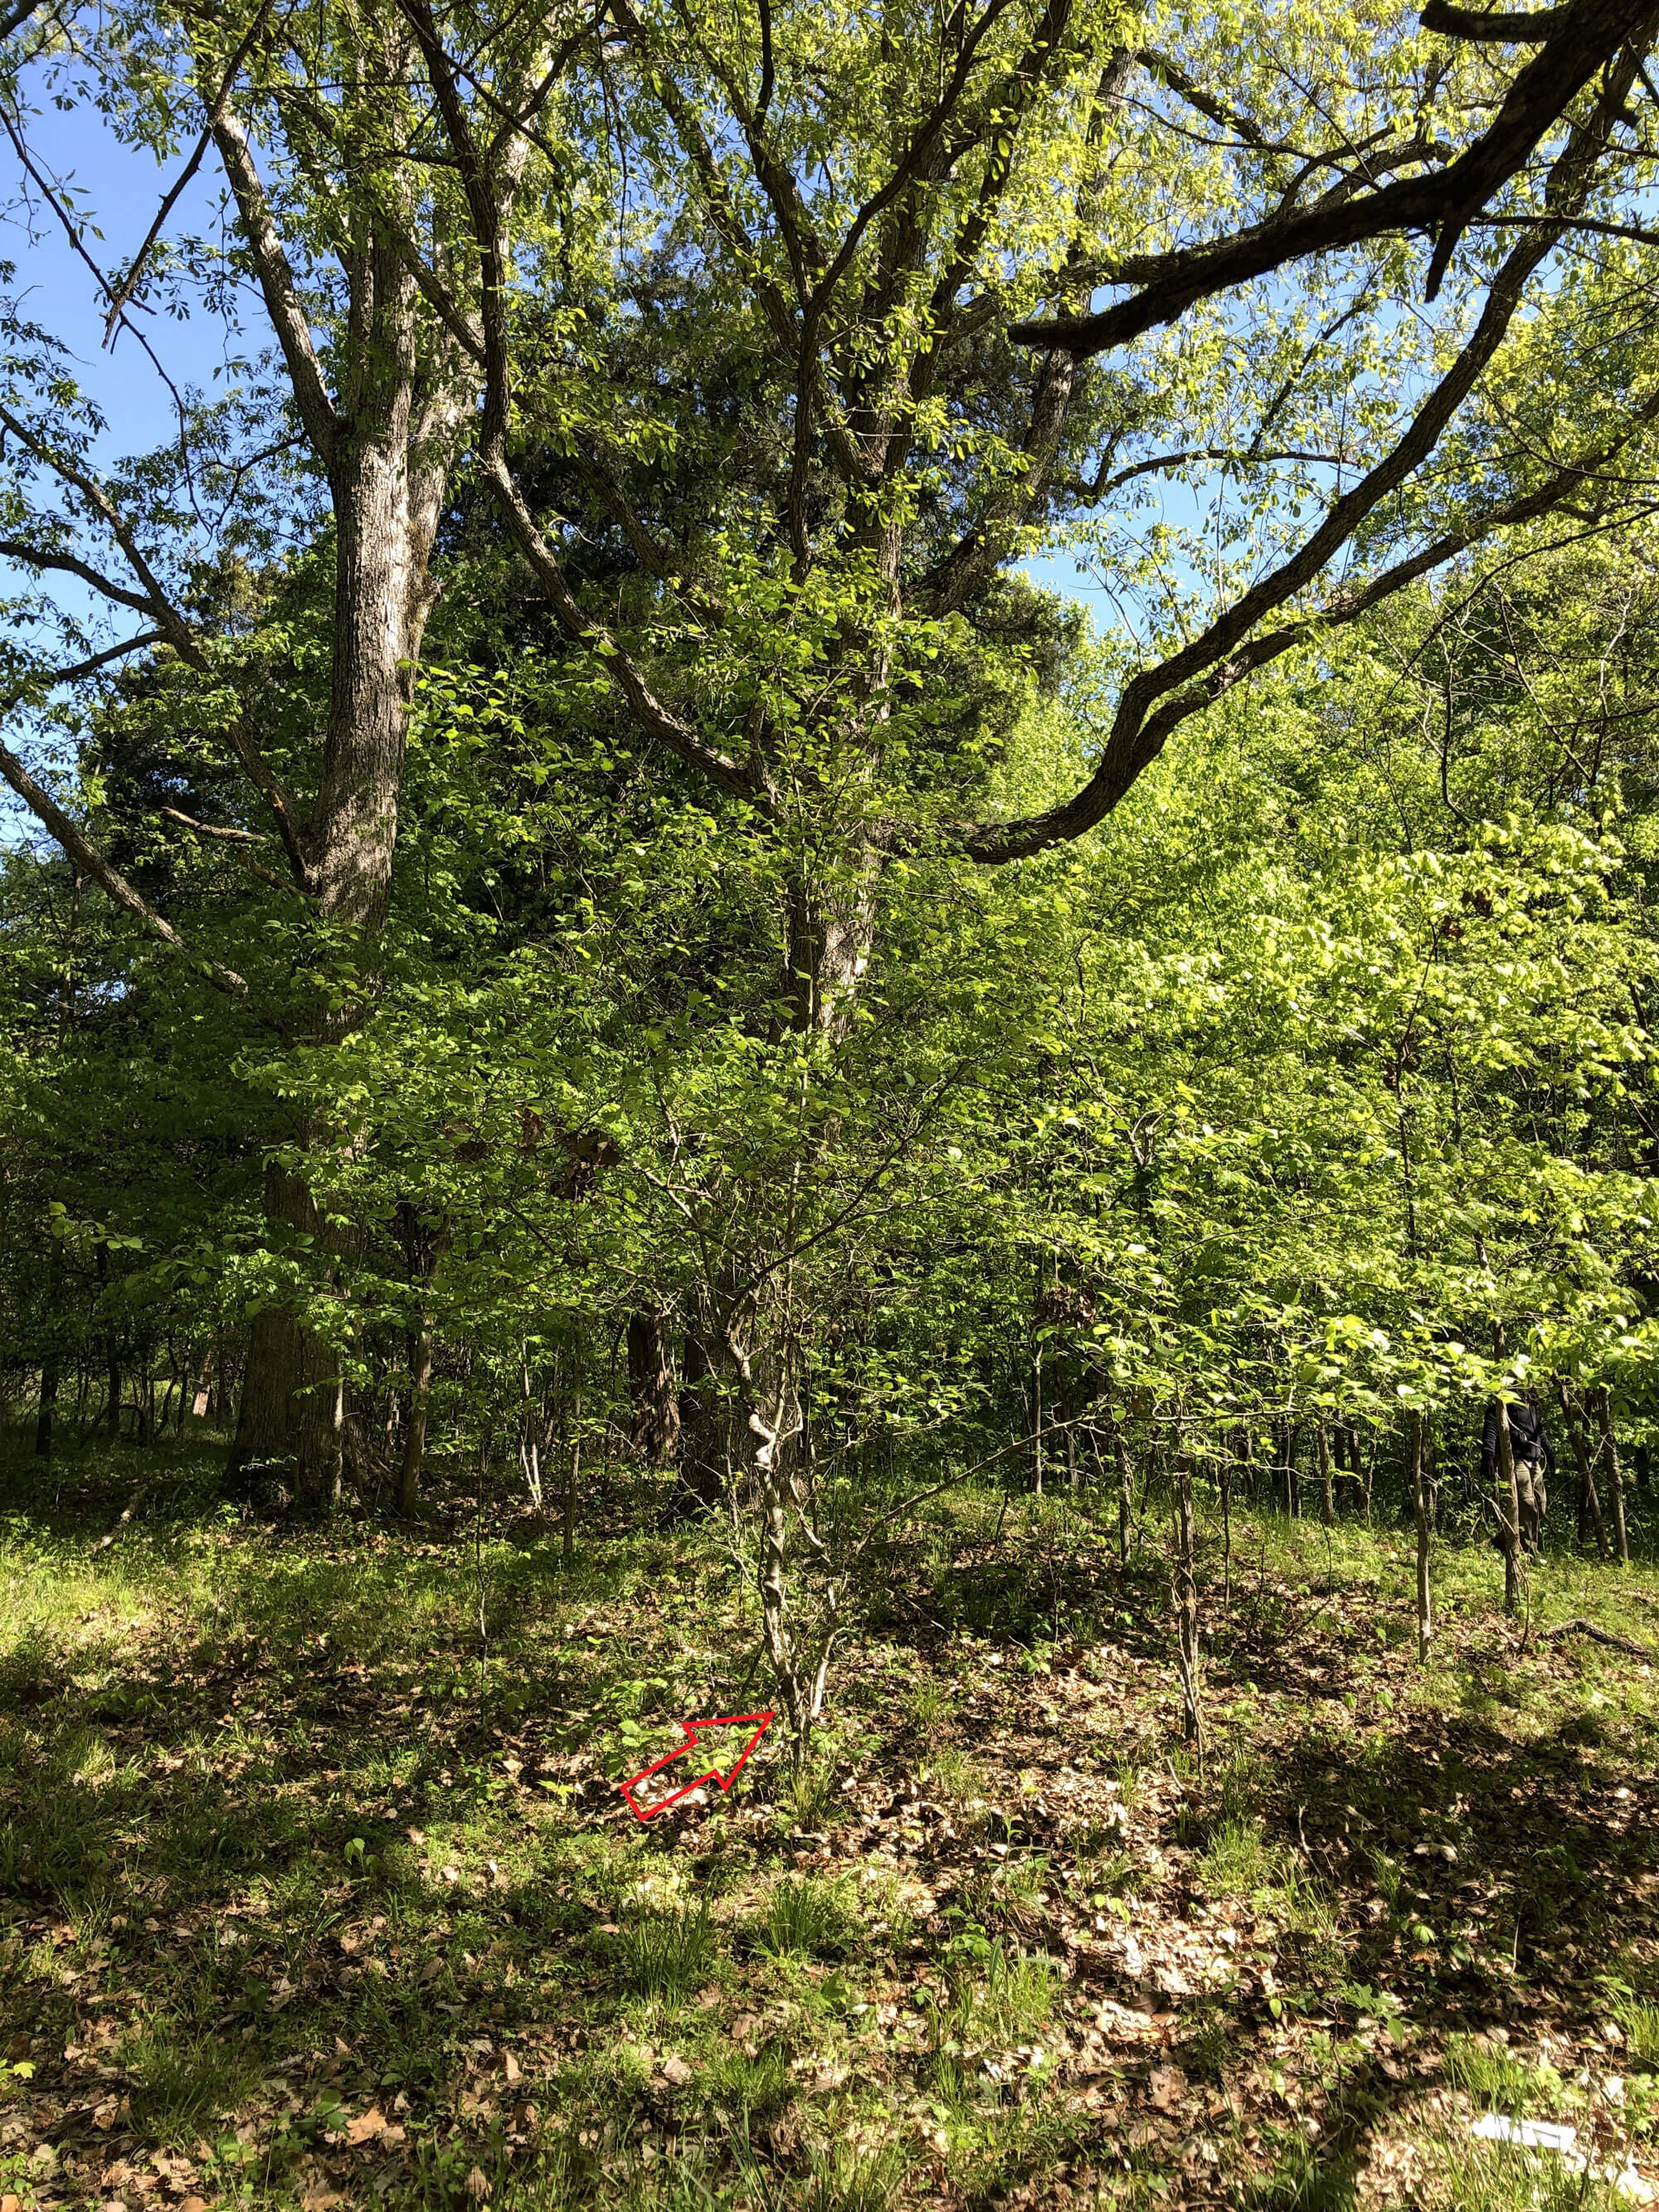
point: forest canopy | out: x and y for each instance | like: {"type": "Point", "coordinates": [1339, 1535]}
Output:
{"type": "Point", "coordinates": [565, 690]}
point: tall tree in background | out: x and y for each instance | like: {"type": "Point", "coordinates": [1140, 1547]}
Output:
{"type": "Point", "coordinates": [377, 395]}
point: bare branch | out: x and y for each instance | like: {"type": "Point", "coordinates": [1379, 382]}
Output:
{"type": "Point", "coordinates": [98, 660]}
{"type": "Point", "coordinates": [207, 829]}
{"type": "Point", "coordinates": [128, 283]}
{"type": "Point", "coordinates": [33, 556]}
{"type": "Point", "coordinates": [91, 862]}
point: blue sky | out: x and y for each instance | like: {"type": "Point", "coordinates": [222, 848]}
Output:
{"type": "Point", "coordinates": [118, 190]}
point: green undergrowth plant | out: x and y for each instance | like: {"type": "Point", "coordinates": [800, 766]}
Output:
{"type": "Point", "coordinates": [669, 1953]}
{"type": "Point", "coordinates": [1493, 2078]}
{"type": "Point", "coordinates": [1639, 2024]}
{"type": "Point", "coordinates": [810, 1919]}
{"type": "Point", "coordinates": [853, 2178]}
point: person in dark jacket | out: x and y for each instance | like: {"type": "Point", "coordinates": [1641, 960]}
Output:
{"type": "Point", "coordinates": [1534, 1463]}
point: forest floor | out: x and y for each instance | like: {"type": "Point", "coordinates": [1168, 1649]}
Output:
{"type": "Point", "coordinates": [317, 1887]}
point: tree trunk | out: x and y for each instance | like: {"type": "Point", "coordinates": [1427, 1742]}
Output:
{"type": "Point", "coordinates": [202, 1383]}
{"type": "Point", "coordinates": [420, 1392]}
{"type": "Point", "coordinates": [1226, 1531]}
{"type": "Point", "coordinates": [656, 1430]}
{"type": "Point", "coordinates": [1509, 1509]}
{"type": "Point", "coordinates": [1327, 1489]}
{"type": "Point", "coordinates": [46, 1413]}
{"type": "Point", "coordinates": [387, 455]}
{"type": "Point", "coordinates": [1125, 1493]}
{"type": "Point", "coordinates": [1185, 1593]}
{"type": "Point", "coordinates": [572, 1467]}
{"type": "Point", "coordinates": [702, 1455]}
{"type": "Point", "coordinates": [1589, 1506]}
{"type": "Point", "coordinates": [291, 1424]}
{"type": "Point", "coordinates": [1420, 1449]}
{"type": "Point", "coordinates": [1615, 1476]}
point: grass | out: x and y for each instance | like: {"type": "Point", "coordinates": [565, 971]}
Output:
{"type": "Point", "coordinates": [310, 1887]}
{"type": "Point", "coordinates": [668, 1954]}
{"type": "Point", "coordinates": [808, 1918]}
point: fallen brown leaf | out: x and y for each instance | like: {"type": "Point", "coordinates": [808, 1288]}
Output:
{"type": "Point", "coordinates": [366, 2126]}
{"type": "Point", "coordinates": [1167, 2086]}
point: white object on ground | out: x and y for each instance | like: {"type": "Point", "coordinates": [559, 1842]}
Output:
{"type": "Point", "coordinates": [1532, 2135]}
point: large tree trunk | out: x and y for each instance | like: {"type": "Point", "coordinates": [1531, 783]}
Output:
{"type": "Point", "coordinates": [291, 1425]}
{"type": "Point", "coordinates": [656, 1430]}
{"type": "Point", "coordinates": [387, 470]}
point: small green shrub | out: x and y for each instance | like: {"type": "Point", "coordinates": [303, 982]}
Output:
{"type": "Point", "coordinates": [847, 2180]}
{"type": "Point", "coordinates": [760, 2086]}
{"type": "Point", "coordinates": [1493, 2077]}
{"type": "Point", "coordinates": [30, 1671]}
{"type": "Point", "coordinates": [1238, 1861]}
{"type": "Point", "coordinates": [180, 2084]}
{"type": "Point", "coordinates": [1641, 2025]}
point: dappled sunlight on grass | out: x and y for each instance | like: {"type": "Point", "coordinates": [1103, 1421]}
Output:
{"type": "Point", "coordinates": [333, 1886]}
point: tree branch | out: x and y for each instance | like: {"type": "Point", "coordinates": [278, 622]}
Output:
{"type": "Point", "coordinates": [1213, 662]}
{"type": "Point", "coordinates": [1586, 36]}
{"type": "Point", "coordinates": [91, 862]}
{"type": "Point", "coordinates": [98, 660]}
{"type": "Point", "coordinates": [276, 282]}
{"type": "Point", "coordinates": [1515, 26]}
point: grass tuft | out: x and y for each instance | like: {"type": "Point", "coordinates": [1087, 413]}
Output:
{"type": "Point", "coordinates": [668, 1954]}
{"type": "Point", "coordinates": [806, 1918]}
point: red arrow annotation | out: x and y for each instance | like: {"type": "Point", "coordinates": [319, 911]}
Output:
{"type": "Point", "coordinates": [759, 1723]}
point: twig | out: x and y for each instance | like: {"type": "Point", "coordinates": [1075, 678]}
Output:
{"type": "Point", "coordinates": [1578, 1627]}
{"type": "Point", "coordinates": [132, 1505]}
